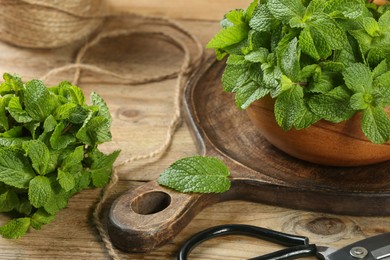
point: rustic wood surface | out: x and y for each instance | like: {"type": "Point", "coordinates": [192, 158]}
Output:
{"type": "Point", "coordinates": [258, 172]}
{"type": "Point", "coordinates": [141, 116]}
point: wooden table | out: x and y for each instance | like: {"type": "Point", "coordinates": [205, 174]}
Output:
{"type": "Point", "coordinates": [141, 116]}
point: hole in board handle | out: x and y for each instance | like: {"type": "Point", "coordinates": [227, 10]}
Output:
{"type": "Point", "coordinates": [151, 203]}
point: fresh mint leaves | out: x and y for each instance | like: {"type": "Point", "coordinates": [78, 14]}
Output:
{"type": "Point", "coordinates": [49, 141]}
{"type": "Point", "coordinates": [197, 174]}
{"type": "Point", "coordinates": [319, 59]}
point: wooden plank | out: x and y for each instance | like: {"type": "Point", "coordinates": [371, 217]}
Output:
{"type": "Point", "coordinates": [259, 172]}
{"type": "Point", "coordinates": [198, 10]}
{"type": "Point", "coordinates": [141, 115]}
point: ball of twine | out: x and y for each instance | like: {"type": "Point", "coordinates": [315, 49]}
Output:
{"type": "Point", "coordinates": [49, 24]}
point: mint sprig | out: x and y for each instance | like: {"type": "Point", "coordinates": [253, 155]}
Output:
{"type": "Point", "coordinates": [319, 59]}
{"type": "Point", "coordinates": [197, 174]}
{"type": "Point", "coordinates": [49, 141]}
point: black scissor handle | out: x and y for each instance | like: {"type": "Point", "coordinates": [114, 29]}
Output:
{"type": "Point", "coordinates": [298, 246]}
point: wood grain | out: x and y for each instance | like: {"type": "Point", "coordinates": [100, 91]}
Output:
{"type": "Point", "coordinates": [326, 143]}
{"type": "Point", "coordinates": [227, 132]}
{"type": "Point", "coordinates": [141, 115]}
{"type": "Point", "coordinates": [198, 10]}
{"type": "Point", "coordinates": [151, 216]}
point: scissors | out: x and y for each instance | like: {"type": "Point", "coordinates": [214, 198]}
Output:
{"type": "Point", "coordinates": [372, 248]}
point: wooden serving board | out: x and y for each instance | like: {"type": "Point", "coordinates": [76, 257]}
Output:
{"type": "Point", "coordinates": [150, 216]}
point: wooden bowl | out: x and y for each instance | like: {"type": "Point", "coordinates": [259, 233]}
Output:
{"type": "Point", "coordinates": [341, 144]}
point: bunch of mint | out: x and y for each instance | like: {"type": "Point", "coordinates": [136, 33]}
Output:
{"type": "Point", "coordinates": [319, 59]}
{"type": "Point", "coordinates": [49, 141]}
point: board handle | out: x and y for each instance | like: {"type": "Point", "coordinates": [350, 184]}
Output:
{"type": "Point", "coordinates": [151, 215]}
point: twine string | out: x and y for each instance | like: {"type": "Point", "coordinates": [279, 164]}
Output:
{"type": "Point", "coordinates": [190, 63]}
{"type": "Point", "coordinates": [52, 24]}
{"type": "Point", "coordinates": [49, 24]}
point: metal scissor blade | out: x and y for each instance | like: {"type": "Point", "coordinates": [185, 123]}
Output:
{"type": "Point", "coordinates": [323, 252]}
{"type": "Point", "coordinates": [372, 248]}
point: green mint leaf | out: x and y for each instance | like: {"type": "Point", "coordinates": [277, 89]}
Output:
{"type": "Point", "coordinates": [255, 73]}
{"type": "Point", "coordinates": [15, 228]}
{"type": "Point", "coordinates": [363, 38]}
{"type": "Point", "coordinates": [235, 59]}
{"type": "Point", "coordinates": [59, 139]}
{"type": "Point", "coordinates": [236, 17]}
{"type": "Point", "coordinates": [289, 60]}
{"type": "Point", "coordinates": [360, 101]}
{"type": "Point", "coordinates": [39, 191]}
{"type": "Point", "coordinates": [64, 111]}
{"type": "Point", "coordinates": [271, 75]}
{"type": "Point", "coordinates": [382, 83]}
{"type": "Point", "coordinates": [305, 119]}
{"type": "Point", "coordinates": [371, 26]}
{"type": "Point", "coordinates": [78, 115]}
{"type": "Point", "coordinates": [344, 8]}
{"type": "Point", "coordinates": [250, 92]}
{"type": "Point", "coordinates": [3, 116]}
{"type": "Point", "coordinates": [17, 112]}
{"type": "Point", "coordinates": [103, 109]}
{"type": "Point", "coordinates": [57, 201]}
{"type": "Point", "coordinates": [73, 160]}
{"type": "Point", "coordinates": [72, 94]}
{"type": "Point", "coordinates": [286, 9]}
{"type": "Point", "coordinates": [313, 44]}
{"type": "Point", "coordinates": [24, 206]}
{"type": "Point", "coordinates": [256, 41]}
{"type": "Point", "coordinates": [55, 159]}
{"type": "Point", "coordinates": [16, 142]}
{"type": "Point", "coordinates": [358, 78]}
{"type": "Point", "coordinates": [82, 181]}
{"type": "Point", "coordinates": [382, 93]}
{"type": "Point", "coordinates": [72, 112]}
{"type": "Point", "coordinates": [229, 36]}
{"type": "Point", "coordinates": [95, 131]}
{"type": "Point", "coordinates": [39, 155]}
{"type": "Point", "coordinates": [5, 89]}
{"type": "Point", "coordinates": [297, 22]}
{"type": "Point", "coordinates": [286, 83]}
{"type": "Point", "coordinates": [66, 180]}
{"type": "Point", "coordinates": [289, 107]}
{"type": "Point", "coordinates": [314, 7]}
{"type": "Point", "coordinates": [101, 167]}
{"type": "Point", "coordinates": [262, 20]}
{"type": "Point", "coordinates": [196, 174]}
{"type": "Point", "coordinates": [333, 106]}
{"type": "Point", "coordinates": [384, 22]}
{"type": "Point", "coordinates": [259, 55]}
{"type": "Point", "coordinates": [32, 128]}
{"type": "Point", "coordinates": [15, 168]}
{"type": "Point", "coordinates": [232, 77]}
{"type": "Point", "coordinates": [100, 177]}
{"type": "Point", "coordinates": [39, 102]}
{"type": "Point", "coordinates": [12, 83]}
{"type": "Point", "coordinates": [77, 95]}
{"type": "Point", "coordinates": [40, 218]}
{"type": "Point", "coordinates": [322, 83]}
{"type": "Point", "coordinates": [376, 125]}
{"type": "Point", "coordinates": [375, 55]}
{"type": "Point", "coordinates": [332, 66]}
{"type": "Point", "coordinates": [13, 132]}
{"type": "Point", "coordinates": [250, 10]}
{"type": "Point", "coordinates": [42, 163]}
{"type": "Point", "coordinates": [49, 124]}
{"type": "Point", "coordinates": [351, 53]}
{"type": "Point", "coordinates": [329, 30]}
{"type": "Point", "coordinates": [8, 201]}
{"type": "Point", "coordinates": [380, 69]}
{"type": "Point", "coordinates": [307, 72]}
